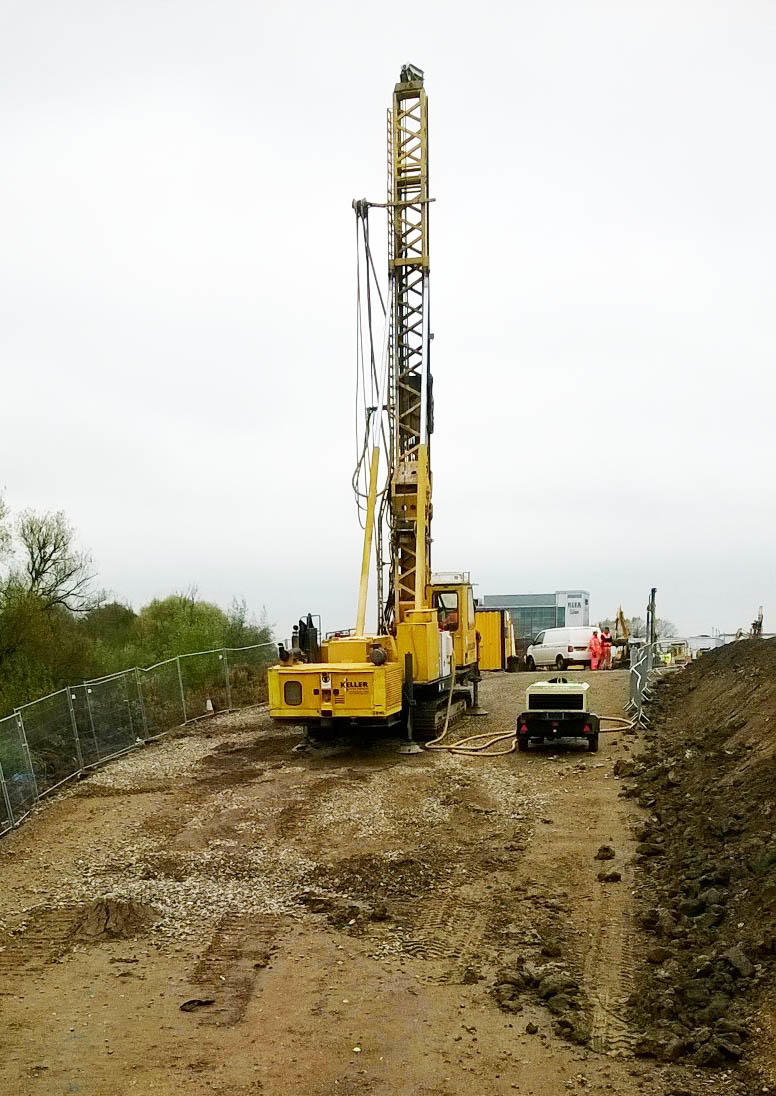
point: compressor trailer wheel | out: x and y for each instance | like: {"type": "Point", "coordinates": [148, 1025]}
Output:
{"type": "Point", "coordinates": [540, 726]}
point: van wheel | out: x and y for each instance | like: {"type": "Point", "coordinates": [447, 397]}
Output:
{"type": "Point", "coordinates": [560, 663]}
{"type": "Point", "coordinates": [530, 664]}
{"type": "Point", "coordinates": [522, 743]}
{"type": "Point", "coordinates": [592, 743]}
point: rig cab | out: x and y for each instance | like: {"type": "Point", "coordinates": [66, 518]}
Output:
{"type": "Point", "coordinates": [451, 594]}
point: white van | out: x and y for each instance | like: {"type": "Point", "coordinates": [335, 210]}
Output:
{"type": "Point", "coordinates": [559, 647]}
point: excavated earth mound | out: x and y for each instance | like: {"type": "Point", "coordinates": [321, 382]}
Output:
{"type": "Point", "coordinates": [707, 861]}
{"type": "Point", "coordinates": [113, 919]}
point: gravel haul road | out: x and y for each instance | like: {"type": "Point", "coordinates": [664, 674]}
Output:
{"type": "Point", "coordinates": [219, 912]}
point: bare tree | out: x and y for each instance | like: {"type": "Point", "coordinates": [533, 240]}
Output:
{"type": "Point", "coordinates": [666, 629]}
{"type": "Point", "coordinates": [5, 529]}
{"type": "Point", "coordinates": [637, 627]}
{"type": "Point", "coordinates": [54, 570]}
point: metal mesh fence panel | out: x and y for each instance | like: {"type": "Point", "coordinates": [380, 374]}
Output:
{"type": "Point", "coordinates": [204, 678]}
{"type": "Point", "coordinates": [634, 678]}
{"type": "Point", "coordinates": [162, 699]}
{"type": "Point", "coordinates": [79, 702]}
{"type": "Point", "coordinates": [642, 664]}
{"type": "Point", "coordinates": [51, 737]}
{"type": "Point", "coordinates": [136, 704]}
{"type": "Point", "coordinates": [112, 716]}
{"type": "Point", "coordinates": [639, 676]}
{"type": "Point", "coordinates": [6, 821]}
{"type": "Point", "coordinates": [247, 676]}
{"type": "Point", "coordinates": [20, 786]}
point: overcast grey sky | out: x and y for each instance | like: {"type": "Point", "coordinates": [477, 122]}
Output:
{"type": "Point", "coordinates": [177, 279]}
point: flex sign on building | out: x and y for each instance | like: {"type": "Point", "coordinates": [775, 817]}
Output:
{"type": "Point", "coordinates": [577, 606]}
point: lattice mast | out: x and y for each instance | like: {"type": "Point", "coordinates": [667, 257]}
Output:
{"type": "Point", "coordinates": [410, 396]}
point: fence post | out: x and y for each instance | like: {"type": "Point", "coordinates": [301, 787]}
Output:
{"type": "Point", "coordinates": [142, 703]}
{"type": "Point", "coordinates": [129, 707]}
{"type": "Point", "coordinates": [75, 730]}
{"type": "Point", "coordinates": [228, 685]}
{"type": "Point", "coordinates": [26, 748]}
{"type": "Point", "coordinates": [87, 693]}
{"type": "Point", "coordinates": [6, 798]}
{"type": "Point", "coordinates": [180, 682]}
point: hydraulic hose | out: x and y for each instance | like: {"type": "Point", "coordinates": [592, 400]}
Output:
{"type": "Point", "coordinates": [434, 743]}
{"type": "Point", "coordinates": [626, 724]}
{"type": "Point", "coordinates": [467, 747]}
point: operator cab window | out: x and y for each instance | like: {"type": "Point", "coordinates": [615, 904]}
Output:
{"type": "Point", "coordinates": [446, 605]}
{"type": "Point", "coordinates": [539, 639]}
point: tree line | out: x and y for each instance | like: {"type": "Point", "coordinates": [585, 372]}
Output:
{"type": "Point", "coordinates": [57, 628]}
{"type": "Point", "coordinates": [637, 627]}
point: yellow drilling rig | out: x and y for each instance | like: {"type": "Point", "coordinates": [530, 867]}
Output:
{"type": "Point", "coordinates": [423, 652]}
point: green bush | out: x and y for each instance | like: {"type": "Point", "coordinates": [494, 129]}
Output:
{"type": "Point", "coordinates": [43, 649]}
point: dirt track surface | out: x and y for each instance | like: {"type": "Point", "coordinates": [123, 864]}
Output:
{"type": "Point", "coordinates": [347, 916]}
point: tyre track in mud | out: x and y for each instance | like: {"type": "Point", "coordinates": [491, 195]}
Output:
{"type": "Point", "coordinates": [239, 949]}
{"type": "Point", "coordinates": [608, 973]}
{"type": "Point", "coordinates": [585, 813]}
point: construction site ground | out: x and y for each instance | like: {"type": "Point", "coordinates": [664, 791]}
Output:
{"type": "Point", "coordinates": [332, 923]}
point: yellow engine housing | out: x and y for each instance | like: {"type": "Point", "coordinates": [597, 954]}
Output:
{"type": "Point", "coordinates": [346, 685]}
{"type": "Point", "coordinates": [349, 690]}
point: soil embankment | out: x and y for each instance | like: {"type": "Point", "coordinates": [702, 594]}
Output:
{"type": "Point", "coordinates": [707, 853]}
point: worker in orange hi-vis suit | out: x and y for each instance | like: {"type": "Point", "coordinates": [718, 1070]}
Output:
{"type": "Point", "coordinates": [594, 646]}
{"type": "Point", "coordinates": [606, 649]}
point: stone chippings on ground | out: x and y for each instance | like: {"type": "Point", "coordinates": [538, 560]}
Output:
{"type": "Point", "coordinates": [706, 781]}
{"type": "Point", "coordinates": [236, 860]}
{"type": "Point", "coordinates": [190, 888]}
{"type": "Point", "coordinates": [220, 847]}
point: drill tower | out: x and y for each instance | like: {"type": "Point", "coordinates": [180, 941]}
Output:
{"type": "Point", "coordinates": [425, 647]}
{"type": "Point", "coordinates": [411, 406]}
